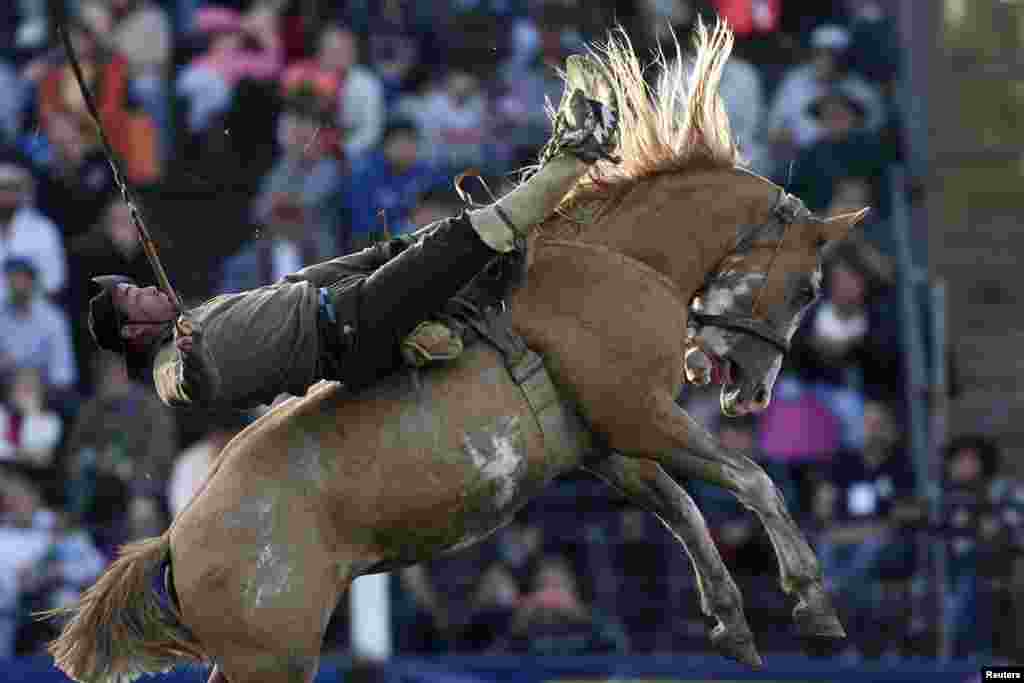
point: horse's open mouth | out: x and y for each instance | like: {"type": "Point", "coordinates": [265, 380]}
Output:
{"type": "Point", "coordinates": [732, 387]}
{"type": "Point", "coordinates": [726, 373]}
{"type": "Point", "coordinates": [704, 368]}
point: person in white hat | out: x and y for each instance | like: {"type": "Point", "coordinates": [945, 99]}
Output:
{"type": "Point", "coordinates": [790, 127]}
{"type": "Point", "coordinates": [27, 233]}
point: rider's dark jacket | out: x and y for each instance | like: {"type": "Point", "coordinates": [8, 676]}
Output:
{"type": "Point", "coordinates": [342, 320]}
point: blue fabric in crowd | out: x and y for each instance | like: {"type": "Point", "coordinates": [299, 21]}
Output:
{"type": "Point", "coordinates": [375, 187]}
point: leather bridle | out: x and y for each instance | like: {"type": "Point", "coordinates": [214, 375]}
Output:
{"type": "Point", "coordinates": [785, 212]}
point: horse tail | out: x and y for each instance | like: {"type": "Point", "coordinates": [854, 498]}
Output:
{"type": "Point", "coordinates": [120, 629]}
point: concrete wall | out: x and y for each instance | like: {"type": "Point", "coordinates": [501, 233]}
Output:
{"type": "Point", "coordinates": [974, 160]}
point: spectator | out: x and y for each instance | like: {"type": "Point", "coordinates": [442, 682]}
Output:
{"type": "Point", "coordinates": [422, 610]}
{"type": "Point", "coordinates": [845, 150]}
{"type": "Point", "coordinates": [971, 464]}
{"type": "Point", "coordinates": [294, 208]}
{"type": "Point", "coordinates": [24, 541]}
{"type": "Point", "coordinates": [477, 31]}
{"type": "Point", "coordinates": [31, 432]}
{"type": "Point", "coordinates": [298, 195]}
{"type": "Point", "coordinates": [439, 602]}
{"type": "Point", "coordinates": [268, 259]}
{"type": "Point", "coordinates": [494, 603]}
{"type": "Point", "coordinates": [359, 94]}
{"type": "Point", "coordinates": [12, 104]}
{"type": "Point", "coordinates": [395, 47]}
{"type": "Point", "coordinates": [32, 29]}
{"type": "Point", "coordinates": [846, 348]}
{"type": "Point", "coordinates": [519, 547]}
{"type": "Point", "coordinates": [747, 17]}
{"type": "Point", "coordinates": [864, 503]}
{"type": "Point", "coordinates": [525, 88]}
{"type": "Point", "coordinates": [72, 562]}
{"type": "Point", "coordinates": [874, 42]}
{"type": "Point", "coordinates": [866, 507]}
{"type": "Point", "coordinates": [10, 22]}
{"type": "Point", "coordinates": [111, 246]}
{"type": "Point", "coordinates": [192, 466]}
{"type": "Point", "coordinates": [659, 19]}
{"type": "Point", "coordinates": [390, 181]}
{"type": "Point", "coordinates": [790, 124]}
{"type": "Point", "coordinates": [78, 183]}
{"type": "Point", "coordinates": [141, 32]}
{"type": "Point", "coordinates": [106, 74]}
{"type": "Point", "coordinates": [553, 620]}
{"type": "Point", "coordinates": [240, 47]}
{"type": "Point", "coordinates": [36, 334]}
{"type": "Point", "coordinates": [1003, 564]}
{"type": "Point", "coordinates": [638, 602]}
{"type": "Point", "coordinates": [26, 233]}
{"type": "Point", "coordinates": [120, 451]}
{"type": "Point", "coordinates": [455, 124]}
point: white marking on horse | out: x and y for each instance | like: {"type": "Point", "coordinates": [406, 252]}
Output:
{"type": "Point", "coordinates": [305, 460]}
{"type": "Point", "coordinates": [719, 300]}
{"type": "Point", "coordinates": [253, 514]}
{"type": "Point", "coordinates": [502, 459]}
{"type": "Point", "coordinates": [272, 570]}
{"type": "Point", "coordinates": [273, 574]}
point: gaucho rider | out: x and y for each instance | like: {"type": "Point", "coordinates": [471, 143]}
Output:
{"type": "Point", "coordinates": [344, 319]}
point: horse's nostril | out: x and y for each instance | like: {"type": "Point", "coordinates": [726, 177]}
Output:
{"type": "Point", "coordinates": [761, 396]}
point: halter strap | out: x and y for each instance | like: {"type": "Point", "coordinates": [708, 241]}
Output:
{"type": "Point", "coordinates": [785, 212]}
{"type": "Point", "coordinates": [742, 323]}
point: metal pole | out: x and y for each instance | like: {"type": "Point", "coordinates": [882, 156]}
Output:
{"type": "Point", "coordinates": [370, 617]}
{"type": "Point", "coordinates": [920, 28]}
{"type": "Point", "coordinates": [913, 352]}
{"type": "Point", "coordinates": [940, 407]}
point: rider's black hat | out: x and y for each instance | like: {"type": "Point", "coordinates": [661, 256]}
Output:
{"type": "Point", "coordinates": [104, 318]}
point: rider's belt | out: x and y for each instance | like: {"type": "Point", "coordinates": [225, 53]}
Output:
{"type": "Point", "coordinates": [336, 326]}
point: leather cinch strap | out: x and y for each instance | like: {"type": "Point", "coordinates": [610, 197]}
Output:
{"type": "Point", "coordinates": [564, 432]}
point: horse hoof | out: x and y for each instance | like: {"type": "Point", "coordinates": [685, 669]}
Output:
{"type": "Point", "coordinates": [817, 624]}
{"type": "Point", "coordinates": [736, 645]}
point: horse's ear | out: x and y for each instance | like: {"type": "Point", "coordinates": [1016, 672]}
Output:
{"type": "Point", "coordinates": [839, 227]}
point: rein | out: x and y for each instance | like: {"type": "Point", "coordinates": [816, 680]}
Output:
{"type": "Point", "coordinates": [148, 246]}
{"type": "Point", "coordinates": [786, 210]}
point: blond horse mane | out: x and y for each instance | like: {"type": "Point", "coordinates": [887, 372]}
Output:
{"type": "Point", "coordinates": [119, 630]}
{"type": "Point", "coordinates": [677, 125]}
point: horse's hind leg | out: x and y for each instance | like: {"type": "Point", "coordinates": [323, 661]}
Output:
{"type": "Point", "coordinates": [647, 485]}
{"type": "Point", "coordinates": [690, 452]}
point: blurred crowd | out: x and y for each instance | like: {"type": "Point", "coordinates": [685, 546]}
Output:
{"type": "Point", "coordinates": [320, 127]}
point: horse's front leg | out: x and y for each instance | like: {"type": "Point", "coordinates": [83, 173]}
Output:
{"type": "Point", "coordinates": [647, 485]}
{"type": "Point", "coordinates": [690, 452]}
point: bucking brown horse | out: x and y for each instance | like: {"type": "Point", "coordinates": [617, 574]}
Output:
{"type": "Point", "coordinates": [675, 248]}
